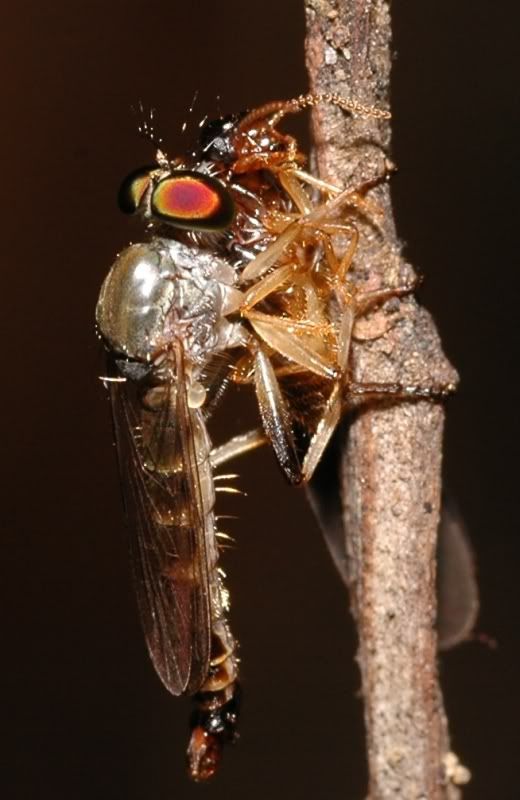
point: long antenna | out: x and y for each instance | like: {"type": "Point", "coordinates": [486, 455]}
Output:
{"type": "Point", "coordinates": [279, 108]}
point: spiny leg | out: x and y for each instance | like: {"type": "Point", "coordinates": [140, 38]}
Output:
{"type": "Point", "coordinates": [281, 333]}
{"type": "Point", "coordinates": [313, 219]}
{"type": "Point", "coordinates": [237, 446]}
{"type": "Point", "coordinates": [354, 394]}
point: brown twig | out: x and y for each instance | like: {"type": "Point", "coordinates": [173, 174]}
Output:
{"type": "Point", "coordinates": [392, 457]}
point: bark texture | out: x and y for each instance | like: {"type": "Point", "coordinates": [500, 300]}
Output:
{"type": "Point", "coordinates": [391, 459]}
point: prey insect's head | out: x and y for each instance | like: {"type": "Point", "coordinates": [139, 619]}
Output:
{"type": "Point", "coordinates": [182, 198]}
{"type": "Point", "coordinates": [216, 138]}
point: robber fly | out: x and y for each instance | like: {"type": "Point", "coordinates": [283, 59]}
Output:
{"type": "Point", "coordinates": [240, 280]}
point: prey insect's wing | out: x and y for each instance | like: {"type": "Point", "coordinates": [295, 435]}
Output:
{"type": "Point", "coordinates": [158, 442]}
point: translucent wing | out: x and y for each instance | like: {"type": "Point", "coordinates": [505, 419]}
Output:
{"type": "Point", "coordinates": [159, 442]}
{"type": "Point", "coordinates": [457, 589]}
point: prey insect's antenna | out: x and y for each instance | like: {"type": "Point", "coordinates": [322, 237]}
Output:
{"type": "Point", "coordinates": [279, 108]}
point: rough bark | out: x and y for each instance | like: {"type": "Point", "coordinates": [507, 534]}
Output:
{"type": "Point", "coordinates": [391, 458]}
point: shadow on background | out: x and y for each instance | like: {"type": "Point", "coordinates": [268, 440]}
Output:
{"type": "Point", "coordinates": [85, 716]}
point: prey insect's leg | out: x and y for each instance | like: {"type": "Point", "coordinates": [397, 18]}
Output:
{"type": "Point", "coordinates": [275, 417]}
{"type": "Point", "coordinates": [281, 334]}
{"type": "Point", "coordinates": [295, 190]}
{"type": "Point", "coordinates": [324, 430]}
{"type": "Point", "coordinates": [355, 394]}
{"type": "Point", "coordinates": [334, 405]}
{"type": "Point", "coordinates": [365, 300]}
{"type": "Point", "coordinates": [354, 196]}
{"type": "Point", "coordinates": [313, 219]}
{"type": "Point", "coordinates": [358, 393]}
{"type": "Point", "coordinates": [268, 258]}
{"type": "Point", "coordinates": [273, 411]}
{"type": "Point", "coordinates": [266, 286]}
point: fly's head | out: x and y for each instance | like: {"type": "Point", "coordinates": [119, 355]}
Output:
{"type": "Point", "coordinates": [185, 199]}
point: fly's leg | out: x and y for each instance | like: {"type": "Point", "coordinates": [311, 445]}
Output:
{"type": "Point", "coordinates": [237, 446]}
{"type": "Point", "coordinates": [354, 394]}
{"type": "Point", "coordinates": [345, 396]}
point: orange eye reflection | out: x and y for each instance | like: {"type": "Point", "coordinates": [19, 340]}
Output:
{"type": "Point", "coordinates": [193, 200]}
{"type": "Point", "coordinates": [133, 189]}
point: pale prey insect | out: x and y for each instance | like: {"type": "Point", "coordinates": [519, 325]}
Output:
{"type": "Point", "coordinates": [240, 280]}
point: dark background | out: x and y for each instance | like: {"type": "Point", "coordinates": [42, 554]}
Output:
{"type": "Point", "coordinates": [83, 715]}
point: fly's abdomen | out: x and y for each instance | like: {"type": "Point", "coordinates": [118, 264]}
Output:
{"type": "Point", "coordinates": [216, 704]}
{"type": "Point", "coordinates": [182, 487]}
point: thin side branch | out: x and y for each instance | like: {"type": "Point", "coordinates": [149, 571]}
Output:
{"type": "Point", "coordinates": [392, 458]}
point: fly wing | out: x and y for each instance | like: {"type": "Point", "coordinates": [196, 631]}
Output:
{"type": "Point", "coordinates": [457, 588]}
{"type": "Point", "coordinates": [324, 495]}
{"type": "Point", "coordinates": [158, 443]}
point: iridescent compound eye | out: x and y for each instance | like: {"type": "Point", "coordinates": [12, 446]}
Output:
{"type": "Point", "coordinates": [193, 201]}
{"type": "Point", "coordinates": [133, 189]}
